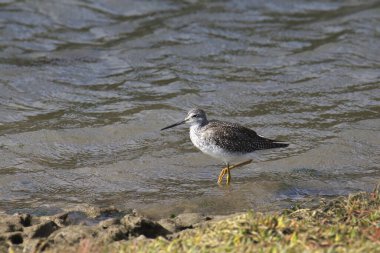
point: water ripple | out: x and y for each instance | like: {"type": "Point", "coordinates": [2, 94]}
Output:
{"type": "Point", "coordinates": [85, 87]}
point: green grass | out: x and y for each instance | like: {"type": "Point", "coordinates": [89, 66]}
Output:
{"type": "Point", "coordinates": [346, 224]}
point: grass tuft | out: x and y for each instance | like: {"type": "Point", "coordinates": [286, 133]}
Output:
{"type": "Point", "coordinates": [345, 224]}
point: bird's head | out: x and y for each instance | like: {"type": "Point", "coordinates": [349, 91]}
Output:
{"type": "Point", "coordinates": [194, 117]}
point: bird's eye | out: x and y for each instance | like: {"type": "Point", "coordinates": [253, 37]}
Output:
{"type": "Point", "coordinates": [194, 116]}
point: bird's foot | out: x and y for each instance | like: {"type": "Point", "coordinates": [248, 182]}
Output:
{"type": "Point", "coordinates": [221, 175]}
{"type": "Point", "coordinates": [227, 169]}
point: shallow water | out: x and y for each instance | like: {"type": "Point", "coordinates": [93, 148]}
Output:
{"type": "Point", "coordinates": [85, 87]}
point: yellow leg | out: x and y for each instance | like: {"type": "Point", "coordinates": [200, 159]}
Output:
{"type": "Point", "coordinates": [228, 178]}
{"type": "Point", "coordinates": [221, 175]}
{"type": "Point", "coordinates": [227, 169]}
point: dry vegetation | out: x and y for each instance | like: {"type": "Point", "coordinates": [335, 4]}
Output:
{"type": "Point", "coordinates": [345, 224]}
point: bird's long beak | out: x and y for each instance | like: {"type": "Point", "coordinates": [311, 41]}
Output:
{"type": "Point", "coordinates": [176, 124]}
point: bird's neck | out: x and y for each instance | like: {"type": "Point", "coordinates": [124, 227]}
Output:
{"type": "Point", "coordinates": [199, 125]}
{"type": "Point", "coordinates": [196, 128]}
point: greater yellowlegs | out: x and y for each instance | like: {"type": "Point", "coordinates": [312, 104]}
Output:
{"type": "Point", "coordinates": [224, 141]}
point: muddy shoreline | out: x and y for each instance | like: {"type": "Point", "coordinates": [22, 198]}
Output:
{"type": "Point", "coordinates": [344, 221]}
{"type": "Point", "coordinates": [29, 233]}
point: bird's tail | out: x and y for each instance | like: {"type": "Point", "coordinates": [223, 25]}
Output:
{"type": "Point", "coordinates": [279, 144]}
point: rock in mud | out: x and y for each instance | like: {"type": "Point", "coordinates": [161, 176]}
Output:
{"type": "Point", "coordinates": [43, 229]}
{"type": "Point", "coordinates": [170, 225]}
{"type": "Point", "coordinates": [25, 233]}
{"type": "Point", "coordinates": [71, 235]}
{"type": "Point", "coordinates": [109, 222]}
{"type": "Point", "coordinates": [13, 223]}
{"type": "Point", "coordinates": [188, 220]}
{"type": "Point", "coordinates": [114, 233]}
{"type": "Point", "coordinates": [138, 225]}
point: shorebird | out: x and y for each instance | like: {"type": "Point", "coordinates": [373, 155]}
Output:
{"type": "Point", "coordinates": [224, 140]}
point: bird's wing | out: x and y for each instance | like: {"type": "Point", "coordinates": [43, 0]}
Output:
{"type": "Point", "coordinates": [236, 138]}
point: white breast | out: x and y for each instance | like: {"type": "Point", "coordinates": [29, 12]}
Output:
{"type": "Point", "coordinates": [209, 148]}
{"type": "Point", "coordinates": [196, 138]}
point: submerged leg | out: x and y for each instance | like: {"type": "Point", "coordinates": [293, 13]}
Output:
{"type": "Point", "coordinates": [227, 170]}
{"type": "Point", "coordinates": [228, 178]}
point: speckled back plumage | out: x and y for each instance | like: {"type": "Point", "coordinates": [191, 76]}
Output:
{"type": "Point", "coordinates": [236, 138]}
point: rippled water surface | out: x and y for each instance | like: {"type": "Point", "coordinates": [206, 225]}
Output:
{"type": "Point", "coordinates": [85, 87]}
